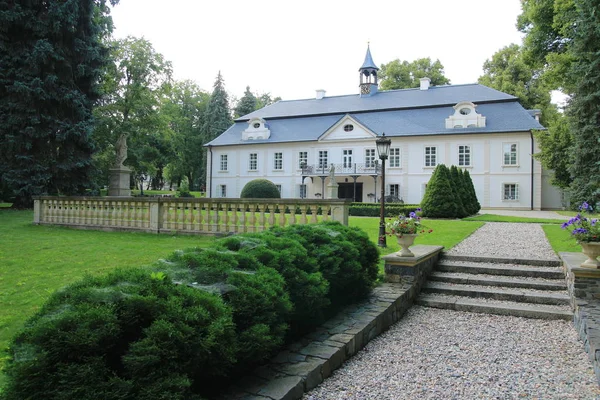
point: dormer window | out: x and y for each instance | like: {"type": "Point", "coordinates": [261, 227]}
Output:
{"type": "Point", "coordinates": [257, 130]}
{"type": "Point", "coordinates": [465, 116]}
{"type": "Point", "coordinates": [348, 128]}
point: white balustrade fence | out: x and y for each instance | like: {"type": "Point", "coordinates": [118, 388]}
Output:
{"type": "Point", "coordinates": [185, 215]}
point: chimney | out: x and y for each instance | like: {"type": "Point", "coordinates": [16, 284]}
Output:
{"type": "Point", "coordinates": [425, 83]}
{"type": "Point", "coordinates": [320, 94]}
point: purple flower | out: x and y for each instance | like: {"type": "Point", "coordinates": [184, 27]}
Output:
{"type": "Point", "coordinates": [565, 225]}
{"type": "Point", "coordinates": [579, 230]}
{"type": "Point", "coordinates": [584, 206]}
{"type": "Point", "coordinates": [412, 215]}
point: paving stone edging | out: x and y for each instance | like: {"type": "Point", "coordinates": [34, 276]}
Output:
{"type": "Point", "coordinates": [303, 365]}
{"type": "Point", "coordinates": [584, 288]}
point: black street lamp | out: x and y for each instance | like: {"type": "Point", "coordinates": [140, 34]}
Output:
{"type": "Point", "coordinates": [383, 148]}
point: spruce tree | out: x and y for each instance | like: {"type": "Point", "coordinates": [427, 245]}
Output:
{"type": "Point", "coordinates": [585, 105]}
{"type": "Point", "coordinates": [217, 118]}
{"type": "Point", "coordinates": [50, 60]}
{"type": "Point", "coordinates": [459, 191]}
{"type": "Point", "coordinates": [474, 203]}
{"type": "Point", "coordinates": [247, 104]}
{"type": "Point", "coordinates": [439, 199]}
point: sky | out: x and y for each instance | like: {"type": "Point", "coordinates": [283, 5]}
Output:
{"type": "Point", "coordinates": [290, 49]}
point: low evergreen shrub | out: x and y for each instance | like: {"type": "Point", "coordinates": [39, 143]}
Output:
{"type": "Point", "coordinates": [439, 200]}
{"type": "Point", "coordinates": [260, 189]}
{"type": "Point", "coordinates": [128, 335]}
{"type": "Point", "coordinates": [373, 209]}
{"type": "Point", "coordinates": [474, 205]}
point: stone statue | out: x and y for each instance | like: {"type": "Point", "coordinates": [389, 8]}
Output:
{"type": "Point", "coordinates": [121, 149]}
{"type": "Point", "coordinates": [332, 173]}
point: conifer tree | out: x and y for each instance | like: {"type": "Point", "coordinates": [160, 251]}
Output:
{"type": "Point", "coordinates": [246, 105]}
{"type": "Point", "coordinates": [50, 56]}
{"type": "Point", "coordinates": [459, 191]}
{"type": "Point", "coordinates": [474, 203]}
{"type": "Point", "coordinates": [217, 118]}
{"type": "Point", "coordinates": [439, 199]}
{"type": "Point", "coordinates": [585, 105]}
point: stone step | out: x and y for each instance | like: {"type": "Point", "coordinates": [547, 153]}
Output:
{"type": "Point", "coordinates": [495, 293]}
{"type": "Point", "coordinates": [501, 269]}
{"type": "Point", "coordinates": [494, 307]}
{"type": "Point", "coordinates": [500, 260]}
{"type": "Point", "coordinates": [493, 280]}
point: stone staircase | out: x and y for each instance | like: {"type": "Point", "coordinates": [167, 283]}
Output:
{"type": "Point", "coordinates": [517, 287]}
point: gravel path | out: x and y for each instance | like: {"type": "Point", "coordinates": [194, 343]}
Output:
{"type": "Point", "coordinates": [441, 354]}
{"type": "Point", "coordinates": [502, 239]}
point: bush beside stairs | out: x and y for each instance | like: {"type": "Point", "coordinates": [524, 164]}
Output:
{"type": "Point", "coordinates": [516, 287]}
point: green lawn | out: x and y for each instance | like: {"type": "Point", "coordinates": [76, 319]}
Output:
{"type": "Point", "coordinates": [574, 213]}
{"type": "Point", "coordinates": [37, 260]}
{"type": "Point", "coordinates": [560, 239]}
{"type": "Point", "coordinates": [508, 218]}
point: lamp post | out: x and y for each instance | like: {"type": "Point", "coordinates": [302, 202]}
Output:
{"type": "Point", "coordinates": [383, 148]}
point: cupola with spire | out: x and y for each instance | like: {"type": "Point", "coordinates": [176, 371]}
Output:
{"type": "Point", "coordinates": [368, 75]}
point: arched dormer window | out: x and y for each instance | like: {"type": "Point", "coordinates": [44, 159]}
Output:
{"type": "Point", "coordinates": [257, 130]}
{"type": "Point", "coordinates": [465, 115]}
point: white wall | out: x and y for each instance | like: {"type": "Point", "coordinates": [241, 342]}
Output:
{"type": "Point", "coordinates": [487, 169]}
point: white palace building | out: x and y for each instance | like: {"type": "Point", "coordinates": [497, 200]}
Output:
{"type": "Point", "coordinates": [295, 143]}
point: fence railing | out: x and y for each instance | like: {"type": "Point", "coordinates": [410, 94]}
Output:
{"type": "Point", "coordinates": [185, 215]}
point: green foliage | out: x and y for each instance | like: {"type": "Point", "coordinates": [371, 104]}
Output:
{"type": "Point", "coordinates": [439, 200]}
{"type": "Point", "coordinates": [461, 194]}
{"type": "Point", "coordinates": [405, 75]}
{"type": "Point", "coordinates": [246, 105]}
{"type": "Point", "coordinates": [307, 287]}
{"type": "Point", "coordinates": [585, 105]}
{"type": "Point", "coordinates": [474, 205]}
{"type": "Point", "coordinates": [124, 335]}
{"type": "Point", "coordinates": [260, 189]}
{"type": "Point", "coordinates": [374, 209]}
{"type": "Point", "coordinates": [556, 150]}
{"type": "Point", "coordinates": [217, 118]}
{"type": "Point", "coordinates": [50, 60]}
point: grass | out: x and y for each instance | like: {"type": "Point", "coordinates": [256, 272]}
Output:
{"type": "Point", "coordinates": [170, 192]}
{"type": "Point", "coordinates": [5, 205]}
{"type": "Point", "coordinates": [560, 239]}
{"type": "Point", "coordinates": [508, 218]}
{"type": "Point", "coordinates": [574, 213]}
{"type": "Point", "coordinates": [37, 260]}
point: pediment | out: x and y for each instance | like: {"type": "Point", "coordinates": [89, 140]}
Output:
{"type": "Point", "coordinates": [347, 128]}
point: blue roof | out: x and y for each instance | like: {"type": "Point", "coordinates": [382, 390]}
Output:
{"type": "Point", "coordinates": [504, 116]}
{"type": "Point", "coordinates": [368, 63]}
{"type": "Point", "coordinates": [385, 100]}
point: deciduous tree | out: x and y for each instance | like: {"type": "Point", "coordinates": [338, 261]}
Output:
{"type": "Point", "coordinates": [405, 75]}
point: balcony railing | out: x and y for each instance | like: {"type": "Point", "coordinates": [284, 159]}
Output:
{"type": "Point", "coordinates": [372, 168]}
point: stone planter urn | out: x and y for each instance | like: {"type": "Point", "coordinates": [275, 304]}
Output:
{"type": "Point", "coordinates": [592, 251]}
{"type": "Point", "coordinates": [405, 241]}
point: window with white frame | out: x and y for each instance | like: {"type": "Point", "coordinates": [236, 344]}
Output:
{"type": "Point", "coordinates": [464, 156]}
{"type": "Point", "coordinates": [323, 159]}
{"type": "Point", "coordinates": [223, 190]}
{"type": "Point", "coordinates": [253, 165]}
{"type": "Point", "coordinates": [510, 153]}
{"type": "Point", "coordinates": [430, 156]}
{"type": "Point", "coordinates": [347, 158]}
{"type": "Point", "coordinates": [394, 190]}
{"type": "Point", "coordinates": [278, 188]}
{"type": "Point", "coordinates": [302, 158]}
{"type": "Point", "coordinates": [223, 162]}
{"type": "Point", "coordinates": [369, 158]}
{"type": "Point", "coordinates": [278, 161]}
{"type": "Point", "coordinates": [511, 191]}
{"type": "Point", "coordinates": [394, 157]}
{"type": "Point", "coordinates": [302, 191]}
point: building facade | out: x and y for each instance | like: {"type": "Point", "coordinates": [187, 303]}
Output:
{"type": "Point", "coordinates": [300, 144]}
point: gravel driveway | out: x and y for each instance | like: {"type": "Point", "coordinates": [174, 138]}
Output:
{"type": "Point", "coordinates": [441, 354]}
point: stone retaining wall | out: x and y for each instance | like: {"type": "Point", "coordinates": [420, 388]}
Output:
{"type": "Point", "coordinates": [303, 365]}
{"type": "Point", "coordinates": [584, 289]}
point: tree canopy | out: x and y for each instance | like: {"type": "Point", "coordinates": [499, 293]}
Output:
{"type": "Point", "coordinates": [51, 55]}
{"type": "Point", "coordinates": [399, 74]}
{"type": "Point", "coordinates": [217, 118]}
{"type": "Point", "coordinates": [247, 104]}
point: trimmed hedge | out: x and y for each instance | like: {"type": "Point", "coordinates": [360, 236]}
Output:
{"type": "Point", "coordinates": [192, 322]}
{"type": "Point", "coordinates": [373, 209]}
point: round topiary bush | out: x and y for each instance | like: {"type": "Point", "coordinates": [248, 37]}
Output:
{"type": "Point", "coordinates": [260, 189]}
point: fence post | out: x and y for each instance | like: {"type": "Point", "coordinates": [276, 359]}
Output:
{"type": "Point", "coordinates": [340, 212]}
{"type": "Point", "coordinates": [155, 213]}
{"type": "Point", "coordinates": [37, 211]}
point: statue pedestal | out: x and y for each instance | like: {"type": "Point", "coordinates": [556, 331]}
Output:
{"type": "Point", "coordinates": [332, 190]}
{"type": "Point", "coordinates": [119, 182]}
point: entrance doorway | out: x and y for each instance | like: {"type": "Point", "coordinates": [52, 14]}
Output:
{"type": "Point", "coordinates": [345, 191]}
